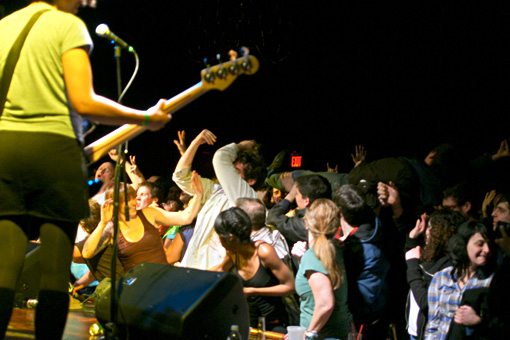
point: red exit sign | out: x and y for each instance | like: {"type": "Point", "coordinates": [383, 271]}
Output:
{"type": "Point", "coordinates": [296, 159]}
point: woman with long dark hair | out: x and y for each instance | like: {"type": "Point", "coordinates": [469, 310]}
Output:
{"type": "Point", "coordinates": [471, 269]}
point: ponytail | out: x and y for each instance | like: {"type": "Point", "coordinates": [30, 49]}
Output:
{"type": "Point", "coordinates": [325, 251]}
{"type": "Point", "coordinates": [323, 220]}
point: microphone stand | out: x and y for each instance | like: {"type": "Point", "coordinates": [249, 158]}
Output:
{"type": "Point", "coordinates": [111, 331]}
{"type": "Point", "coordinates": [117, 49]}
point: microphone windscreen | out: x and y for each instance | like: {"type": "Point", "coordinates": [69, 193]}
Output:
{"type": "Point", "coordinates": [102, 30]}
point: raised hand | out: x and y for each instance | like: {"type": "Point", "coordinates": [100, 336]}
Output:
{"type": "Point", "coordinates": [503, 151]}
{"type": "Point", "coordinates": [287, 181]}
{"type": "Point", "coordinates": [388, 194]}
{"type": "Point", "coordinates": [335, 169]}
{"type": "Point", "coordinates": [205, 137]}
{"type": "Point", "coordinates": [487, 201]}
{"type": "Point", "coordinates": [420, 227]}
{"type": "Point", "coordinates": [196, 184]}
{"type": "Point", "coordinates": [113, 154]}
{"type": "Point", "coordinates": [107, 210]}
{"type": "Point", "coordinates": [181, 143]}
{"type": "Point", "coordinates": [359, 155]}
{"type": "Point", "coordinates": [132, 168]}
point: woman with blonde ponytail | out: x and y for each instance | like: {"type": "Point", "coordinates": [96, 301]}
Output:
{"type": "Point", "coordinates": [320, 280]}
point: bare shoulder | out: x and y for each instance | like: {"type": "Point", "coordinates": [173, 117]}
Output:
{"type": "Point", "coordinates": [265, 251]}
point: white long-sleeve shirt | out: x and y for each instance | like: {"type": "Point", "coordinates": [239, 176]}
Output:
{"type": "Point", "coordinates": [205, 249]}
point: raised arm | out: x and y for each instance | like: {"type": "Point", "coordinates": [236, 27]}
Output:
{"type": "Point", "coordinates": [134, 173]}
{"type": "Point", "coordinates": [291, 227]}
{"type": "Point", "coordinates": [184, 217]}
{"type": "Point", "coordinates": [503, 151]}
{"type": "Point", "coordinates": [229, 177]}
{"type": "Point", "coordinates": [205, 137]}
{"type": "Point", "coordinates": [388, 195]}
{"type": "Point", "coordinates": [132, 170]}
{"type": "Point", "coordinates": [102, 235]}
{"type": "Point", "coordinates": [79, 85]}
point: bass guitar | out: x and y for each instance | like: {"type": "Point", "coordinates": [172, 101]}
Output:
{"type": "Point", "coordinates": [217, 77]}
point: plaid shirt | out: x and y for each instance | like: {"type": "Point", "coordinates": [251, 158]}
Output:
{"type": "Point", "coordinates": [444, 298]}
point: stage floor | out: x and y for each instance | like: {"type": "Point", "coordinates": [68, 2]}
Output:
{"type": "Point", "coordinates": [78, 323]}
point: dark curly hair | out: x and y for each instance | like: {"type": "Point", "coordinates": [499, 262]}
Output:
{"type": "Point", "coordinates": [442, 226]}
{"type": "Point", "coordinates": [236, 222]}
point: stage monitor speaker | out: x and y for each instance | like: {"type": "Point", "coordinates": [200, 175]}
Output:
{"type": "Point", "coordinates": [165, 302]}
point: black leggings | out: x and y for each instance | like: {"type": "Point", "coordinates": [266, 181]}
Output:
{"type": "Point", "coordinates": [55, 262]}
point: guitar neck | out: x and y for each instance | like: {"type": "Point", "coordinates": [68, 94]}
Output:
{"type": "Point", "coordinates": [217, 77]}
{"type": "Point", "coordinates": [99, 148]}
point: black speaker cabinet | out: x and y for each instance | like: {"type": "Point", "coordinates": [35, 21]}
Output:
{"type": "Point", "coordinates": [28, 283]}
{"type": "Point", "coordinates": [158, 301]}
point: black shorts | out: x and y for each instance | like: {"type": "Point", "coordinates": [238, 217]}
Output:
{"type": "Point", "coordinates": [43, 177]}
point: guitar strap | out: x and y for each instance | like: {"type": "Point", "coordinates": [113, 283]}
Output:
{"type": "Point", "coordinates": [12, 59]}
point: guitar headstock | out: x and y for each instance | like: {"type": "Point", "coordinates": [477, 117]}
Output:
{"type": "Point", "coordinates": [220, 76]}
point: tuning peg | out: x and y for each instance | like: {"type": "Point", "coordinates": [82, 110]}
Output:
{"type": "Point", "coordinates": [222, 73]}
{"type": "Point", "coordinates": [232, 54]}
{"type": "Point", "coordinates": [234, 67]}
{"type": "Point", "coordinates": [245, 64]}
{"type": "Point", "coordinates": [245, 51]}
{"type": "Point", "coordinates": [209, 76]}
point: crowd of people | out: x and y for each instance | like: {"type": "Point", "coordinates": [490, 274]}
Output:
{"type": "Point", "coordinates": [416, 246]}
{"type": "Point", "coordinates": [381, 254]}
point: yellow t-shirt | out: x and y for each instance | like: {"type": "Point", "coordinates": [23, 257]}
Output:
{"type": "Point", "coordinates": [37, 100]}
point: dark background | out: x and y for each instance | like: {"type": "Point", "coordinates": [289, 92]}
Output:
{"type": "Point", "coordinates": [398, 78]}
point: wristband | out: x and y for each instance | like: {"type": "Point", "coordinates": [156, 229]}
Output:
{"type": "Point", "coordinates": [146, 120]}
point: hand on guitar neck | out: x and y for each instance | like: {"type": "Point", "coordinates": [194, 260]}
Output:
{"type": "Point", "coordinates": [157, 117]}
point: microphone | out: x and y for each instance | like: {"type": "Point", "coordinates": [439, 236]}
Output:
{"type": "Point", "coordinates": [103, 30]}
